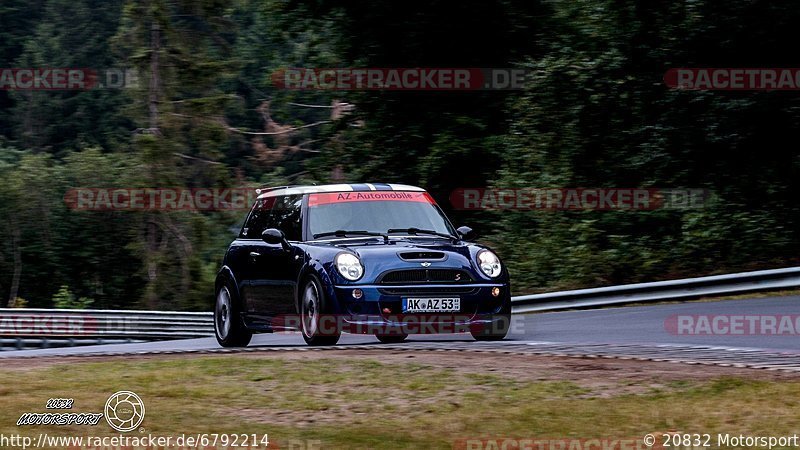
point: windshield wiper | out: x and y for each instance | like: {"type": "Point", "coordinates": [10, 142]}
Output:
{"type": "Point", "coordinates": [346, 233]}
{"type": "Point", "coordinates": [416, 231]}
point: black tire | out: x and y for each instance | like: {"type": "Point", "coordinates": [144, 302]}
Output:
{"type": "Point", "coordinates": [313, 304]}
{"type": "Point", "coordinates": [228, 325]}
{"type": "Point", "coordinates": [495, 332]}
{"type": "Point", "coordinates": [391, 338]}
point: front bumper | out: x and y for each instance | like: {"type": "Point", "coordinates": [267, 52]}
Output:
{"type": "Point", "coordinates": [380, 308]}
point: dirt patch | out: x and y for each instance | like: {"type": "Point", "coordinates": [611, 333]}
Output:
{"type": "Point", "coordinates": [603, 377]}
{"type": "Point", "coordinates": [520, 367]}
{"type": "Point", "coordinates": [581, 370]}
{"type": "Point", "coordinates": [543, 367]}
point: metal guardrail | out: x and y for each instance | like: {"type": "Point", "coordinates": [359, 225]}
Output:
{"type": "Point", "coordinates": [684, 289]}
{"type": "Point", "coordinates": [21, 328]}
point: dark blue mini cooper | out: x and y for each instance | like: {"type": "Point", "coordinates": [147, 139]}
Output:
{"type": "Point", "coordinates": [372, 258]}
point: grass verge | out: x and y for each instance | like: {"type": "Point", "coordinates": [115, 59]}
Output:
{"type": "Point", "coordinates": [361, 402]}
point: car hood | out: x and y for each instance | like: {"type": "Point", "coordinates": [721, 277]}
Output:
{"type": "Point", "coordinates": [413, 254]}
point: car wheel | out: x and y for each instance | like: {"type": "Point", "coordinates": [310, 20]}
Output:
{"type": "Point", "coordinates": [312, 306]}
{"type": "Point", "coordinates": [497, 331]}
{"type": "Point", "coordinates": [228, 325]}
{"type": "Point", "coordinates": [391, 338]}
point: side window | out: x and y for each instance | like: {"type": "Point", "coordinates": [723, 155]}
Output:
{"type": "Point", "coordinates": [287, 218]}
{"type": "Point", "coordinates": [260, 219]}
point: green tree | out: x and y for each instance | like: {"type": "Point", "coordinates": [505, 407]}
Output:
{"type": "Point", "coordinates": [597, 114]}
{"type": "Point", "coordinates": [64, 299]}
{"type": "Point", "coordinates": [70, 34]}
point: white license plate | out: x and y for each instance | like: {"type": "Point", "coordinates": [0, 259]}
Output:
{"type": "Point", "coordinates": [414, 305]}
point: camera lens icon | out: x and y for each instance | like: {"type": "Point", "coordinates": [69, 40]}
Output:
{"type": "Point", "coordinates": [124, 411]}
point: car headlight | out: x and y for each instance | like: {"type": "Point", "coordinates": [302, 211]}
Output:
{"type": "Point", "coordinates": [489, 263]}
{"type": "Point", "coordinates": [349, 266]}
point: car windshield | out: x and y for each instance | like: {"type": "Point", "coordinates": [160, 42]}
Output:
{"type": "Point", "coordinates": [375, 212]}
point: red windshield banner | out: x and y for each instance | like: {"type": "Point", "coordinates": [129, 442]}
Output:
{"type": "Point", "coordinates": [368, 196]}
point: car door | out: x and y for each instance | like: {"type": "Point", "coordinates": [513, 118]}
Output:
{"type": "Point", "coordinates": [248, 249]}
{"type": "Point", "coordinates": [276, 268]}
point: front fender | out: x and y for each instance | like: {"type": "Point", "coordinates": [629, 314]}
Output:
{"type": "Point", "coordinates": [316, 267]}
{"type": "Point", "coordinates": [225, 275]}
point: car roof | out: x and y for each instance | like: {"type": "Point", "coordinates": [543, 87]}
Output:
{"type": "Point", "coordinates": [354, 187]}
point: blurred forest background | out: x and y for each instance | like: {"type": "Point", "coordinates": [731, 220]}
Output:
{"type": "Point", "coordinates": [597, 114]}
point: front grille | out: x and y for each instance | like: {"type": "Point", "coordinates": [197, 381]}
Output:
{"type": "Point", "coordinates": [426, 276]}
{"type": "Point", "coordinates": [429, 291]}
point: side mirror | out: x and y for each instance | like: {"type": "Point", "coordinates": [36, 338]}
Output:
{"type": "Point", "coordinates": [274, 236]}
{"type": "Point", "coordinates": [467, 233]}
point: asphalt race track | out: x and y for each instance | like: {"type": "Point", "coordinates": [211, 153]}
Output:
{"type": "Point", "coordinates": [636, 332]}
{"type": "Point", "coordinates": [646, 324]}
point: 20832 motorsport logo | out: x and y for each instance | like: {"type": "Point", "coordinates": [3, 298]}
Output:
{"type": "Point", "coordinates": [124, 411]}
